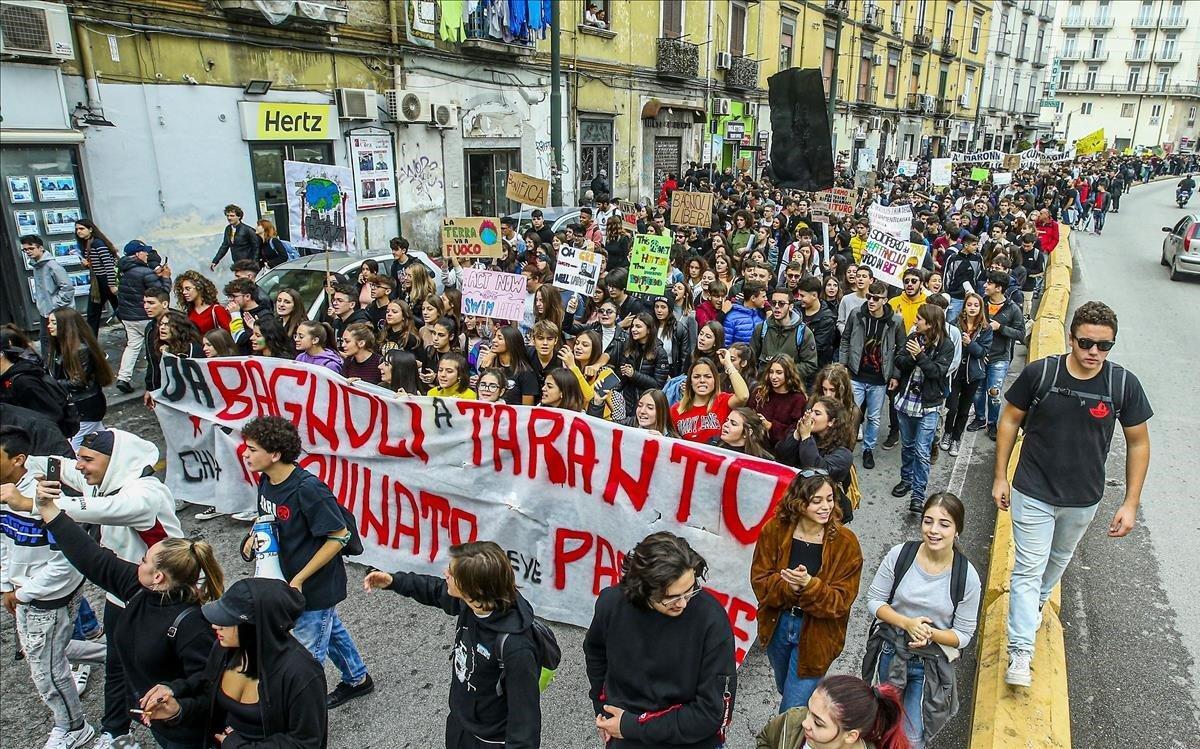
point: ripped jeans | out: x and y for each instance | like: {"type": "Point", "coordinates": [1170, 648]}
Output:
{"type": "Point", "coordinates": [989, 397]}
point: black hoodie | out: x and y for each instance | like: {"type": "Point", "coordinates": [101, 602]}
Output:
{"type": "Point", "coordinates": [291, 687]}
{"type": "Point", "coordinates": [501, 706]}
{"type": "Point", "coordinates": [25, 384]}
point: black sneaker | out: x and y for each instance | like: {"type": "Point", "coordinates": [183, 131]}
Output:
{"type": "Point", "coordinates": [344, 692]}
{"type": "Point", "coordinates": [933, 453]}
{"type": "Point", "coordinates": [892, 440]}
{"type": "Point", "coordinates": [124, 387]}
{"type": "Point", "coordinates": [991, 432]}
{"type": "Point", "coordinates": [976, 425]}
{"type": "Point", "coordinates": [868, 459]}
{"type": "Point", "coordinates": [902, 488]}
{"type": "Point", "coordinates": [916, 505]}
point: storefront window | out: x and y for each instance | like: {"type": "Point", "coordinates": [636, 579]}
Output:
{"type": "Point", "coordinates": [42, 194]}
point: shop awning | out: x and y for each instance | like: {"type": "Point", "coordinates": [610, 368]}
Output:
{"type": "Point", "coordinates": [651, 109]}
{"type": "Point", "coordinates": [12, 136]}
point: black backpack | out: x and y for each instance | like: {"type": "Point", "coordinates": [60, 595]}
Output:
{"type": "Point", "coordinates": [546, 650]}
{"type": "Point", "coordinates": [958, 574]}
{"type": "Point", "coordinates": [68, 418]}
{"type": "Point", "coordinates": [1048, 383]}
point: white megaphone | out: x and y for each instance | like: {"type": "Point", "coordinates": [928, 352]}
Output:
{"type": "Point", "coordinates": [266, 549]}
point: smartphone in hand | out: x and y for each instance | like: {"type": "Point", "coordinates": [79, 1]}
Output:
{"type": "Point", "coordinates": [54, 468]}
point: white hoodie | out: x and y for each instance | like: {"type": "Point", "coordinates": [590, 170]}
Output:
{"type": "Point", "coordinates": [30, 563]}
{"type": "Point", "coordinates": [134, 512]}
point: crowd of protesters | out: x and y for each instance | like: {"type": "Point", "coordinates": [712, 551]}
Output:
{"type": "Point", "coordinates": [772, 338]}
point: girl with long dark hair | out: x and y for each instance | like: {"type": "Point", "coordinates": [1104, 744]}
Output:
{"type": "Point", "coordinates": [271, 339]}
{"type": "Point", "coordinates": [674, 335]}
{"type": "Point", "coordinates": [644, 363]}
{"type": "Point", "coordinates": [743, 432]}
{"type": "Point", "coordinates": [289, 307]}
{"type": "Point", "coordinates": [217, 342]}
{"type": "Point", "coordinates": [176, 335]}
{"type": "Point", "coordinates": [396, 329]}
{"type": "Point", "coordinates": [78, 363]}
{"type": "Point", "coordinates": [398, 372]}
{"type": "Point", "coordinates": [972, 370]}
{"type": "Point", "coordinates": [653, 413]}
{"type": "Point", "coordinates": [361, 362]}
{"type": "Point", "coordinates": [197, 295]}
{"type": "Point", "coordinates": [453, 378]}
{"type": "Point", "coordinates": [100, 257]}
{"type": "Point", "coordinates": [805, 574]}
{"type": "Point", "coordinates": [922, 377]}
{"type": "Point", "coordinates": [780, 398]}
{"type": "Point", "coordinates": [703, 406]}
{"type": "Point", "coordinates": [602, 389]}
{"type": "Point", "coordinates": [561, 390]}
{"type": "Point", "coordinates": [508, 352]}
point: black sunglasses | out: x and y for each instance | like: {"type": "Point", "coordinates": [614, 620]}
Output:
{"type": "Point", "coordinates": [809, 473]}
{"type": "Point", "coordinates": [1087, 343]}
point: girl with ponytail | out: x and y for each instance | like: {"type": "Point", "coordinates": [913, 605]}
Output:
{"type": "Point", "coordinates": [844, 712]}
{"type": "Point", "coordinates": [162, 636]}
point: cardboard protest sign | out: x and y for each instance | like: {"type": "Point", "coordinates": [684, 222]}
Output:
{"type": "Point", "coordinates": [577, 270]}
{"type": "Point", "coordinates": [628, 211]}
{"type": "Point", "coordinates": [565, 494]}
{"type": "Point", "coordinates": [893, 220]}
{"type": "Point", "coordinates": [527, 190]}
{"type": "Point", "coordinates": [489, 293]}
{"type": "Point", "coordinates": [907, 169]}
{"type": "Point", "coordinates": [471, 237]}
{"type": "Point", "coordinates": [888, 256]}
{"type": "Point", "coordinates": [649, 264]}
{"type": "Point", "coordinates": [941, 171]}
{"type": "Point", "coordinates": [691, 209]}
{"type": "Point", "coordinates": [979, 174]}
{"type": "Point", "coordinates": [838, 200]}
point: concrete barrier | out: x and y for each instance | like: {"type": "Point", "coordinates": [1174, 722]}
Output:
{"type": "Point", "coordinates": [1038, 717]}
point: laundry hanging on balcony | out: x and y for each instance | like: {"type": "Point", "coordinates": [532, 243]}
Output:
{"type": "Point", "coordinates": [451, 28]}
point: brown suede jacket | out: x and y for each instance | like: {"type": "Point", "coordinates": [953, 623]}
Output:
{"type": "Point", "coordinates": [825, 601]}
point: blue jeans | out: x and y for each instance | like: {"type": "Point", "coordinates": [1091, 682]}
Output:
{"type": "Point", "coordinates": [987, 400]}
{"type": "Point", "coordinates": [954, 310]}
{"type": "Point", "coordinates": [914, 722]}
{"type": "Point", "coordinates": [86, 623]}
{"type": "Point", "coordinates": [782, 652]}
{"type": "Point", "coordinates": [321, 632]}
{"type": "Point", "coordinates": [917, 434]}
{"type": "Point", "coordinates": [1099, 219]}
{"type": "Point", "coordinates": [1044, 540]}
{"type": "Point", "coordinates": [873, 396]}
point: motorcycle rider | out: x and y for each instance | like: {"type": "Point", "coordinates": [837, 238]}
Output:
{"type": "Point", "coordinates": [1185, 188]}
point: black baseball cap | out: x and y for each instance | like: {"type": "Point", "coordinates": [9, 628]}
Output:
{"type": "Point", "coordinates": [233, 608]}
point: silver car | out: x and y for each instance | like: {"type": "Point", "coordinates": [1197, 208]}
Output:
{"type": "Point", "coordinates": [1181, 248]}
{"type": "Point", "coordinates": [307, 275]}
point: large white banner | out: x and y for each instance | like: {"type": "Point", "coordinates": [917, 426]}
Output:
{"type": "Point", "coordinates": [321, 208]}
{"type": "Point", "coordinates": [565, 494]}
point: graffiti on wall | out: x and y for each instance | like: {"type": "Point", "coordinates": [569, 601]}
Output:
{"type": "Point", "coordinates": [545, 160]}
{"type": "Point", "coordinates": [421, 182]}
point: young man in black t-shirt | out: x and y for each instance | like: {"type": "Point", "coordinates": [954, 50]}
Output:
{"type": "Point", "coordinates": [1059, 480]}
{"type": "Point", "coordinates": [312, 532]}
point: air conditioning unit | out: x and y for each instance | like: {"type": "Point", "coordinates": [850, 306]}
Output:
{"type": "Point", "coordinates": [443, 115]}
{"type": "Point", "coordinates": [407, 106]}
{"type": "Point", "coordinates": [356, 103]}
{"type": "Point", "coordinates": [962, 101]}
{"type": "Point", "coordinates": [876, 59]}
{"type": "Point", "coordinates": [721, 106]}
{"type": "Point", "coordinates": [751, 109]}
{"type": "Point", "coordinates": [876, 123]}
{"type": "Point", "coordinates": [35, 29]}
{"type": "Point", "coordinates": [724, 61]}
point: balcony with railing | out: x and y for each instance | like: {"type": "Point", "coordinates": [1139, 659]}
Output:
{"type": "Point", "coordinates": [996, 102]}
{"type": "Point", "coordinates": [915, 103]}
{"type": "Point", "coordinates": [742, 74]}
{"type": "Point", "coordinates": [1039, 58]}
{"type": "Point", "coordinates": [1046, 11]}
{"type": "Point", "coordinates": [944, 107]}
{"type": "Point", "coordinates": [1174, 22]}
{"type": "Point", "coordinates": [677, 59]}
{"type": "Point", "coordinates": [1144, 21]}
{"type": "Point", "coordinates": [1101, 21]}
{"type": "Point", "coordinates": [1167, 56]}
{"type": "Point", "coordinates": [837, 8]}
{"type": "Point", "coordinates": [1001, 48]}
{"type": "Point", "coordinates": [479, 39]}
{"type": "Point", "coordinates": [864, 94]}
{"type": "Point", "coordinates": [1022, 54]}
{"type": "Point", "coordinates": [1027, 7]}
{"type": "Point", "coordinates": [1073, 21]}
{"type": "Point", "coordinates": [922, 38]}
{"type": "Point", "coordinates": [1114, 85]}
{"type": "Point", "coordinates": [1071, 54]}
{"type": "Point", "coordinates": [1096, 55]}
{"type": "Point", "coordinates": [948, 46]}
{"type": "Point", "coordinates": [1138, 54]}
{"type": "Point", "coordinates": [873, 18]}
{"type": "Point", "coordinates": [1011, 3]}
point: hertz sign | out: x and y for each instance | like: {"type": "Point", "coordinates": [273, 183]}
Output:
{"type": "Point", "coordinates": [266, 120]}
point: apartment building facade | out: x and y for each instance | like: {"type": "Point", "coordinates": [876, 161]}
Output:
{"type": "Point", "coordinates": [1018, 65]}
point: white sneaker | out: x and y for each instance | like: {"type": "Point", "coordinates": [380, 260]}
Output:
{"type": "Point", "coordinates": [1019, 673]}
{"type": "Point", "coordinates": [208, 513]}
{"type": "Point", "coordinates": [106, 741]}
{"type": "Point", "coordinates": [77, 739]}
{"type": "Point", "coordinates": [81, 673]}
{"type": "Point", "coordinates": [249, 516]}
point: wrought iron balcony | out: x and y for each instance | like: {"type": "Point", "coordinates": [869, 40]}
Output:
{"type": "Point", "coordinates": [922, 38]}
{"type": "Point", "coordinates": [742, 74]}
{"type": "Point", "coordinates": [873, 18]}
{"type": "Point", "coordinates": [948, 47]}
{"type": "Point", "coordinates": [1096, 55]}
{"type": "Point", "coordinates": [1073, 22]}
{"type": "Point", "coordinates": [1144, 22]}
{"type": "Point", "coordinates": [1101, 22]}
{"type": "Point", "coordinates": [479, 39]}
{"type": "Point", "coordinates": [1164, 57]}
{"type": "Point", "coordinates": [1138, 55]}
{"type": "Point", "coordinates": [1046, 12]}
{"type": "Point", "coordinates": [865, 93]}
{"type": "Point", "coordinates": [1174, 22]}
{"type": "Point", "coordinates": [945, 107]}
{"type": "Point", "coordinates": [677, 58]}
{"type": "Point", "coordinates": [837, 8]}
{"type": "Point", "coordinates": [1022, 54]}
{"type": "Point", "coordinates": [914, 103]}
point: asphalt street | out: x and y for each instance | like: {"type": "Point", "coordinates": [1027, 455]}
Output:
{"type": "Point", "coordinates": [1130, 611]}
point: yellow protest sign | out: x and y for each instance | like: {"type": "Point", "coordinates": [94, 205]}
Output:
{"type": "Point", "coordinates": [1091, 143]}
{"type": "Point", "coordinates": [527, 190]}
{"type": "Point", "coordinates": [691, 209]}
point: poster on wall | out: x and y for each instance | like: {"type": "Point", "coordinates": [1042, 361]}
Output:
{"type": "Point", "coordinates": [53, 188]}
{"type": "Point", "coordinates": [60, 220]}
{"type": "Point", "coordinates": [27, 222]}
{"type": "Point", "coordinates": [322, 211]}
{"type": "Point", "coordinates": [82, 282]}
{"type": "Point", "coordinates": [19, 190]}
{"type": "Point", "coordinates": [66, 252]}
{"type": "Point", "coordinates": [374, 167]}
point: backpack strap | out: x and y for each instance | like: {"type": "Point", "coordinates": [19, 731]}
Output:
{"type": "Point", "coordinates": [174, 628]}
{"type": "Point", "coordinates": [1046, 382]}
{"type": "Point", "coordinates": [500, 640]}
{"type": "Point", "coordinates": [908, 554]}
{"type": "Point", "coordinates": [958, 582]}
{"type": "Point", "coordinates": [1117, 394]}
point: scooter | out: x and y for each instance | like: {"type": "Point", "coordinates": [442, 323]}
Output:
{"type": "Point", "coordinates": [1182, 196]}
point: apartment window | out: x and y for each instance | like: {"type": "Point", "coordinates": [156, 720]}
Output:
{"type": "Point", "coordinates": [787, 40]}
{"type": "Point", "coordinates": [1164, 74]}
{"type": "Point", "coordinates": [1191, 120]}
{"type": "Point", "coordinates": [1175, 14]}
{"type": "Point", "coordinates": [976, 30]}
{"type": "Point", "coordinates": [1085, 108]}
{"type": "Point", "coordinates": [1075, 11]}
{"type": "Point", "coordinates": [914, 81]}
{"type": "Point", "coordinates": [1012, 99]}
{"type": "Point", "coordinates": [1097, 45]}
{"type": "Point", "coordinates": [597, 14]}
{"type": "Point", "coordinates": [737, 28]}
{"type": "Point", "coordinates": [1139, 45]}
{"type": "Point", "coordinates": [892, 81]}
{"type": "Point", "coordinates": [865, 72]}
{"type": "Point", "coordinates": [1064, 77]}
{"type": "Point", "coordinates": [1103, 12]}
{"type": "Point", "coordinates": [1093, 72]}
{"type": "Point", "coordinates": [1023, 37]}
{"type": "Point", "coordinates": [969, 88]}
{"type": "Point", "coordinates": [1070, 44]}
{"type": "Point", "coordinates": [1127, 110]}
{"type": "Point", "coordinates": [1040, 50]}
{"type": "Point", "coordinates": [1146, 13]}
{"type": "Point", "coordinates": [1135, 76]}
{"type": "Point", "coordinates": [1170, 45]}
{"type": "Point", "coordinates": [827, 58]}
{"type": "Point", "coordinates": [1003, 38]}
{"type": "Point", "coordinates": [920, 15]}
{"type": "Point", "coordinates": [1156, 110]}
{"type": "Point", "coordinates": [898, 16]}
{"type": "Point", "coordinates": [596, 147]}
{"type": "Point", "coordinates": [672, 18]}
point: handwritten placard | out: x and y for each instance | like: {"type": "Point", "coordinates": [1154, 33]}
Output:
{"type": "Point", "coordinates": [577, 270]}
{"type": "Point", "coordinates": [838, 200]}
{"type": "Point", "coordinates": [907, 169]}
{"type": "Point", "coordinates": [649, 261]}
{"type": "Point", "coordinates": [889, 256]}
{"type": "Point", "coordinates": [691, 209]}
{"type": "Point", "coordinates": [471, 237]}
{"type": "Point", "coordinates": [489, 293]}
{"type": "Point", "coordinates": [527, 190]}
{"type": "Point", "coordinates": [628, 212]}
